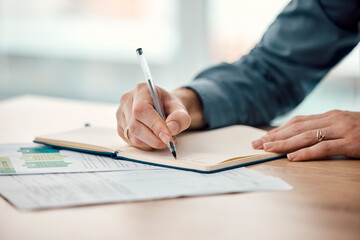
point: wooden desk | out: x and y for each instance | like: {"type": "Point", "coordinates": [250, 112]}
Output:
{"type": "Point", "coordinates": [325, 202]}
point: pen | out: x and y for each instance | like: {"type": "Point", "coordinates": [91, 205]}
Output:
{"type": "Point", "coordinates": [146, 71]}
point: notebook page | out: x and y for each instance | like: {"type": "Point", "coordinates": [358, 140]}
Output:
{"type": "Point", "coordinates": [96, 138]}
{"type": "Point", "coordinates": [206, 147]}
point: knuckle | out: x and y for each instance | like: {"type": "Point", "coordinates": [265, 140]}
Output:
{"type": "Point", "coordinates": [146, 148]}
{"type": "Point", "coordinates": [268, 137]}
{"type": "Point", "coordinates": [281, 144]}
{"type": "Point", "coordinates": [136, 141]}
{"type": "Point", "coordinates": [297, 127]}
{"type": "Point", "coordinates": [119, 131]}
{"type": "Point", "coordinates": [118, 113]}
{"type": "Point", "coordinates": [271, 137]}
{"type": "Point", "coordinates": [342, 124]}
{"type": "Point", "coordinates": [335, 112]}
{"type": "Point", "coordinates": [156, 127]}
{"type": "Point", "coordinates": [348, 123]}
{"type": "Point", "coordinates": [133, 128]}
{"type": "Point", "coordinates": [187, 121]}
{"type": "Point", "coordinates": [310, 135]}
{"type": "Point", "coordinates": [351, 125]}
{"type": "Point", "coordinates": [140, 86]}
{"type": "Point", "coordinates": [352, 151]}
{"type": "Point", "coordinates": [138, 110]}
{"type": "Point", "coordinates": [158, 145]}
{"type": "Point", "coordinates": [303, 153]}
{"type": "Point", "coordinates": [342, 114]}
{"type": "Point", "coordinates": [293, 120]}
{"type": "Point", "coordinates": [124, 97]}
{"type": "Point", "coordinates": [324, 147]}
{"type": "Point", "coordinates": [272, 131]}
{"type": "Point", "coordinates": [286, 144]}
{"type": "Point", "coordinates": [345, 126]}
{"type": "Point", "coordinates": [296, 119]}
{"type": "Point", "coordinates": [352, 139]}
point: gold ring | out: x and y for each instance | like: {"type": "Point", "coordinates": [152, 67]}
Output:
{"type": "Point", "coordinates": [319, 135]}
{"type": "Point", "coordinates": [126, 133]}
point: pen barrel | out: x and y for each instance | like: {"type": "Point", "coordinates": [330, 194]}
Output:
{"type": "Point", "coordinates": [144, 67]}
{"type": "Point", "coordinates": [154, 95]}
{"type": "Point", "coordinates": [148, 78]}
{"type": "Point", "coordinates": [156, 102]}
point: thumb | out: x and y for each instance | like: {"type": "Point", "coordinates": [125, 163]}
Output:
{"type": "Point", "coordinates": [177, 121]}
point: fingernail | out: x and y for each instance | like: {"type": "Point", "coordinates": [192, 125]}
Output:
{"type": "Point", "coordinates": [164, 137]}
{"type": "Point", "coordinates": [173, 127]}
{"type": "Point", "coordinates": [292, 156]}
{"type": "Point", "coordinates": [258, 144]}
{"type": "Point", "coordinates": [269, 145]}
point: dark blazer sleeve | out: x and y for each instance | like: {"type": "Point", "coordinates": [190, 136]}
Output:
{"type": "Point", "coordinates": [298, 49]}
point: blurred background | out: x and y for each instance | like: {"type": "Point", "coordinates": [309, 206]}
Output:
{"type": "Point", "coordinates": [85, 49]}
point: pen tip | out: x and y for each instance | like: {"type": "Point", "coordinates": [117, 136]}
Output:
{"type": "Point", "coordinates": [174, 154]}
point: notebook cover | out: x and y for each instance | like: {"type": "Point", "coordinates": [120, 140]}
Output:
{"type": "Point", "coordinates": [114, 155]}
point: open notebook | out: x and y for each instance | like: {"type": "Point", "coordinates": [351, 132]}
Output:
{"type": "Point", "coordinates": [200, 151]}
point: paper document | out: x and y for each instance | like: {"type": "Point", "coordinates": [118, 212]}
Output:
{"type": "Point", "coordinates": [31, 158]}
{"type": "Point", "coordinates": [60, 190]}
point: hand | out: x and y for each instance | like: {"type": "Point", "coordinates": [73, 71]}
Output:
{"type": "Point", "coordinates": [147, 130]}
{"type": "Point", "coordinates": [298, 137]}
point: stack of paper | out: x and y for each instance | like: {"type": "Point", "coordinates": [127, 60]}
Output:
{"type": "Point", "coordinates": [32, 158]}
{"type": "Point", "coordinates": [127, 181]}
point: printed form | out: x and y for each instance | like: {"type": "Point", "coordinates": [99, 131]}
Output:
{"type": "Point", "coordinates": [73, 189]}
{"type": "Point", "coordinates": [32, 158]}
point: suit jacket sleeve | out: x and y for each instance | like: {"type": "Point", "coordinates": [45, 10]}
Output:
{"type": "Point", "coordinates": [298, 49]}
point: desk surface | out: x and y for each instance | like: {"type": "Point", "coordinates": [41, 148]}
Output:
{"type": "Point", "coordinates": [324, 204]}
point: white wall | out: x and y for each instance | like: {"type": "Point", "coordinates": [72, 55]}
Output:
{"type": "Point", "coordinates": [78, 55]}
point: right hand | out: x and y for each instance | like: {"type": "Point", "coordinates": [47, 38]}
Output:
{"type": "Point", "coordinates": [147, 130]}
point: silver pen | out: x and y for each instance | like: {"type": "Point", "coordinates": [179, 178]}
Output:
{"type": "Point", "coordinates": [146, 71]}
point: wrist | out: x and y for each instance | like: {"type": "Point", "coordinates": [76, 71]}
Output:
{"type": "Point", "coordinates": [193, 105]}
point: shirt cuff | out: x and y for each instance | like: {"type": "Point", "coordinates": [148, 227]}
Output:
{"type": "Point", "coordinates": [217, 108]}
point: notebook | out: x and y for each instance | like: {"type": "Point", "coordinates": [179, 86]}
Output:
{"type": "Point", "coordinates": [205, 151]}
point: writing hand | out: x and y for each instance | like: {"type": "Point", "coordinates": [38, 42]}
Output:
{"type": "Point", "coordinates": [300, 136]}
{"type": "Point", "coordinates": [147, 130]}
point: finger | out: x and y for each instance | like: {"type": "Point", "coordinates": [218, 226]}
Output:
{"type": "Point", "coordinates": [142, 133]}
{"type": "Point", "coordinates": [144, 112]}
{"type": "Point", "coordinates": [122, 125]}
{"type": "Point", "coordinates": [126, 102]}
{"type": "Point", "coordinates": [178, 121]}
{"type": "Point", "coordinates": [147, 115]}
{"type": "Point", "coordinates": [331, 114]}
{"type": "Point", "coordinates": [135, 142]}
{"type": "Point", "coordinates": [297, 128]}
{"type": "Point", "coordinates": [174, 138]}
{"type": "Point", "coordinates": [299, 119]}
{"type": "Point", "coordinates": [127, 110]}
{"type": "Point", "coordinates": [292, 130]}
{"type": "Point", "coordinates": [123, 113]}
{"type": "Point", "coordinates": [132, 140]}
{"type": "Point", "coordinates": [301, 140]}
{"type": "Point", "coordinates": [136, 131]}
{"type": "Point", "coordinates": [320, 150]}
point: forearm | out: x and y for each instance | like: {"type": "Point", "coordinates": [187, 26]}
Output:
{"type": "Point", "coordinates": [295, 53]}
{"type": "Point", "coordinates": [193, 105]}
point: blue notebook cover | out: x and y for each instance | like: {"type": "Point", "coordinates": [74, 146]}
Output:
{"type": "Point", "coordinates": [199, 151]}
{"type": "Point", "coordinates": [115, 156]}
